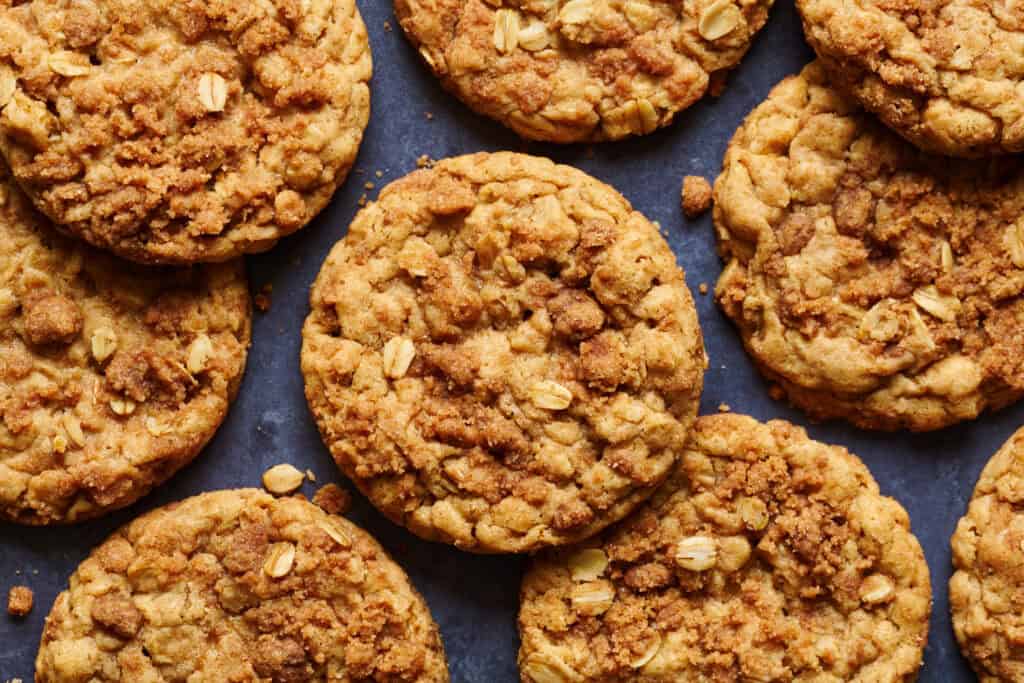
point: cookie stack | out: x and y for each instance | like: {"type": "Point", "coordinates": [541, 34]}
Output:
{"type": "Point", "coordinates": [502, 354]}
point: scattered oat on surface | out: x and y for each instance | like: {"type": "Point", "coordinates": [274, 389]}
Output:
{"type": "Point", "coordinates": [765, 557]}
{"type": "Point", "coordinates": [580, 70]}
{"type": "Point", "coordinates": [502, 354]}
{"type": "Point", "coordinates": [184, 131]}
{"type": "Point", "coordinates": [696, 195]}
{"type": "Point", "coordinates": [112, 376]}
{"type": "Point", "coordinates": [240, 586]}
{"type": "Point", "coordinates": [333, 499]}
{"type": "Point", "coordinates": [987, 547]}
{"type": "Point", "coordinates": [724, 408]}
{"type": "Point", "coordinates": [283, 479]}
{"type": "Point", "coordinates": [19, 601]}
{"type": "Point", "coordinates": [310, 475]}
{"type": "Point", "coordinates": [871, 281]}
{"type": "Point", "coordinates": [703, 288]}
{"type": "Point", "coordinates": [263, 298]}
{"type": "Point", "coordinates": [946, 76]}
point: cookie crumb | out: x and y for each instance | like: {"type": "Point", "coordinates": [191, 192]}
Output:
{"type": "Point", "coordinates": [332, 499]}
{"type": "Point", "coordinates": [310, 475]}
{"type": "Point", "coordinates": [379, 174]}
{"type": "Point", "coordinates": [19, 601]}
{"type": "Point", "coordinates": [362, 200]}
{"type": "Point", "coordinates": [724, 408]}
{"type": "Point", "coordinates": [424, 161]}
{"type": "Point", "coordinates": [696, 195]}
{"type": "Point", "coordinates": [369, 186]}
{"type": "Point", "coordinates": [282, 479]}
{"type": "Point", "coordinates": [776, 392]}
{"type": "Point", "coordinates": [262, 298]}
{"type": "Point", "coordinates": [429, 115]}
{"type": "Point", "coordinates": [703, 288]}
{"type": "Point", "coordinates": [387, 26]}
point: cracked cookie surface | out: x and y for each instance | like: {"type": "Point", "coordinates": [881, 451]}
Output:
{"type": "Point", "coordinates": [872, 281]}
{"type": "Point", "coordinates": [112, 376]}
{"type": "Point", "coordinates": [987, 588]}
{"type": "Point", "coordinates": [240, 586]}
{"type": "Point", "coordinates": [177, 132]}
{"type": "Point", "coordinates": [502, 354]}
{"type": "Point", "coordinates": [766, 556]}
{"type": "Point", "coordinates": [581, 70]}
{"type": "Point", "coordinates": [947, 75]}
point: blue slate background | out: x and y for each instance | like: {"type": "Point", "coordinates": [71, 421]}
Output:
{"type": "Point", "coordinates": [473, 598]}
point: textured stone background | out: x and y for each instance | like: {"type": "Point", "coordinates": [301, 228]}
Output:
{"type": "Point", "coordinates": [475, 598]}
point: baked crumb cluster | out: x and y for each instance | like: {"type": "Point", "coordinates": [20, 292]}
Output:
{"type": "Point", "coordinates": [575, 70]}
{"type": "Point", "coordinates": [988, 586]}
{"type": "Point", "coordinates": [239, 586]}
{"type": "Point", "coordinates": [766, 556]}
{"type": "Point", "coordinates": [176, 132]}
{"type": "Point", "coordinates": [947, 76]}
{"type": "Point", "coordinates": [503, 354]}
{"type": "Point", "coordinates": [870, 280]}
{"type": "Point", "coordinates": [112, 376]}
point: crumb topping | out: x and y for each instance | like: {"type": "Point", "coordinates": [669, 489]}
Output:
{"type": "Point", "coordinates": [240, 586]}
{"type": "Point", "coordinates": [578, 70]}
{"type": "Point", "coordinates": [178, 132]}
{"type": "Point", "coordinates": [765, 557]}
{"type": "Point", "coordinates": [112, 376]}
{"type": "Point", "coordinates": [988, 583]}
{"type": "Point", "coordinates": [502, 353]}
{"type": "Point", "coordinates": [872, 281]}
{"type": "Point", "coordinates": [947, 76]}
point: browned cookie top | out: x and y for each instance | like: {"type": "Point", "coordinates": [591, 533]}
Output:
{"type": "Point", "coordinates": [502, 353]}
{"type": "Point", "coordinates": [765, 557]}
{"type": "Point", "coordinates": [946, 75]}
{"type": "Point", "coordinates": [987, 589]}
{"type": "Point", "coordinates": [180, 131]}
{"type": "Point", "coordinates": [239, 586]}
{"type": "Point", "coordinates": [573, 70]}
{"type": "Point", "coordinates": [112, 376]}
{"type": "Point", "coordinates": [873, 282]}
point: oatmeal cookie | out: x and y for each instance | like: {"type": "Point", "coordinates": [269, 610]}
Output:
{"type": "Point", "coordinates": [240, 586]}
{"type": "Point", "coordinates": [578, 70]}
{"type": "Point", "coordinates": [987, 589]}
{"type": "Point", "coordinates": [948, 76]}
{"type": "Point", "coordinates": [872, 281]}
{"type": "Point", "coordinates": [177, 131]}
{"type": "Point", "coordinates": [112, 375]}
{"type": "Point", "coordinates": [766, 556]}
{"type": "Point", "coordinates": [502, 354]}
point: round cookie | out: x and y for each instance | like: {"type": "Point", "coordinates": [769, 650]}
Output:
{"type": "Point", "coordinates": [581, 70]}
{"type": "Point", "coordinates": [765, 557]}
{"type": "Point", "coordinates": [871, 281]}
{"type": "Point", "coordinates": [946, 75]}
{"type": "Point", "coordinates": [239, 586]}
{"type": "Point", "coordinates": [112, 376]}
{"type": "Point", "coordinates": [987, 588]}
{"type": "Point", "coordinates": [177, 132]}
{"type": "Point", "coordinates": [502, 354]}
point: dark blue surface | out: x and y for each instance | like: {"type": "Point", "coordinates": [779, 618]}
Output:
{"type": "Point", "coordinates": [473, 598]}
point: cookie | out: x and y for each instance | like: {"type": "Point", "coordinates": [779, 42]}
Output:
{"type": "Point", "coordinates": [502, 354]}
{"type": "Point", "coordinates": [946, 75]}
{"type": "Point", "coordinates": [765, 557]}
{"type": "Point", "coordinates": [581, 70]}
{"type": "Point", "coordinates": [987, 587]}
{"type": "Point", "coordinates": [178, 132]}
{"type": "Point", "coordinates": [112, 376]}
{"type": "Point", "coordinates": [240, 586]}
{"type": "Point", "coordinates": [871, 281]}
